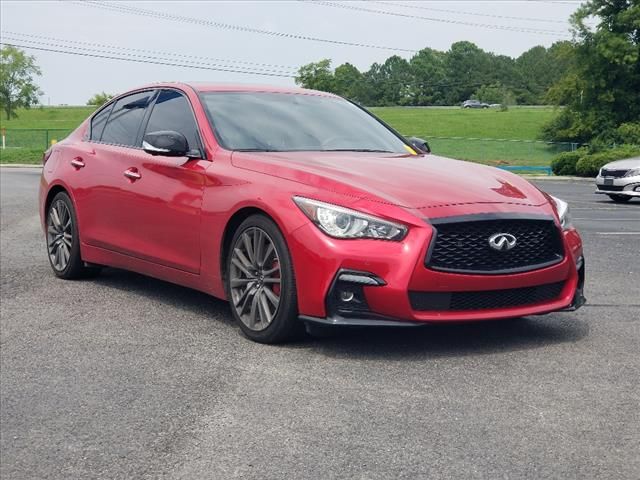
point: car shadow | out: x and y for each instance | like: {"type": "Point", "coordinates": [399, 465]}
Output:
{"type": "Point", "coordinates": [434, 340]}
{"type": "Point", "coordinates": [170, 294]}
{"type": "Point", "coordinates": [606, 201]}
{"type": "Point", "coordinates": [452, 340]}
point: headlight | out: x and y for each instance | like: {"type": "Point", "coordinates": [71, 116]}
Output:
{"type": "Point", "coordinates": [633, 172]}
{"type": "Point", "coordinates": [341, 222]}
{"type": "Point", "coordinates": [563, 212]}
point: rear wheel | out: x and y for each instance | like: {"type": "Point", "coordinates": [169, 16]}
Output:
{"type": "Point", "coordinates": [63, 242]}
{"type": "Point", "coordinates": [619, 198]}
{"type": "Point", "coordinates": [260, 282]}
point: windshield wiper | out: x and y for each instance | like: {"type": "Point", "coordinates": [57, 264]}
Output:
{"type": "Point", "coordinates": [255, 150]}
{"type": "Point", "coordinates": [357, 150]}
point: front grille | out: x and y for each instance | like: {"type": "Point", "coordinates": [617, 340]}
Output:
{"type": "Point", "coordinates": [614, 173]}
{"type": "Point", "coordinates": [611, 188]}
{"type": "Point", "coordinates": [464, 246]}
{"type": "Point", "coordinates": [484, 300]}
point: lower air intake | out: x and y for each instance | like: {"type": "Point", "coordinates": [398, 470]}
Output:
{"type": "Point", "coordinates": [486, 299]}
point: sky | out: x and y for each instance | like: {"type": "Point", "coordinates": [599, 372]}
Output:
{"type": "Point", "coordinates": [71, 79]}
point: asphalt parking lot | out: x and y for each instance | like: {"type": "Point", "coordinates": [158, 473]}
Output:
{"type": "Point", "coordinates": [129, 377]}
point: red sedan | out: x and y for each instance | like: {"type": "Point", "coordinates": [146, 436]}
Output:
{"type": "Point", "coordinates": [299, 206]}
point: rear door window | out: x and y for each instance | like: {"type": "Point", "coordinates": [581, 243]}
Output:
{"type": "Point", "coordinates": [98, 122]}
{"type": "Point", "coordinates": [123, 125]}
{"type": "Point", "coordinates": [172, 111]}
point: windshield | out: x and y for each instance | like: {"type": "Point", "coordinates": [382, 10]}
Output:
{"type": "Point", "coordinates": [278, 122]}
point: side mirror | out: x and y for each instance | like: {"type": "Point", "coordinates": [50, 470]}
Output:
{"type": "Point", "coordinates": [420, 145]}
{"type": "Point", "coordinates": [166, 142]}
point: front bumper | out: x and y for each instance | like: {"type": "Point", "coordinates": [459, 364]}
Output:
{"type": "Point", "coordinates": [319, 261]}
{"type": "Point", "coordinates": [623, 186]}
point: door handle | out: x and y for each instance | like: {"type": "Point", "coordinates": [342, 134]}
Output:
{"type": "Point", "coordinates": [132, 174]}
{"type": "Point", "coordinates": [77, 163]}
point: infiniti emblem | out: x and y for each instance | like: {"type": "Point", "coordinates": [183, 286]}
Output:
{"type": "Point", "coordinates": [502, 241]}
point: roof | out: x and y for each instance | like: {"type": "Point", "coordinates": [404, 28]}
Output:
{"type": "Point", "coordinates": [240, 87]}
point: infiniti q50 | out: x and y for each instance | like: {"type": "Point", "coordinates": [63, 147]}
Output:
{"type": "Point", "coordinates": [299, 206]}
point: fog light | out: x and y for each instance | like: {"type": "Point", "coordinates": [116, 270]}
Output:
{"type": "Point", "coordinates": [346, 295]}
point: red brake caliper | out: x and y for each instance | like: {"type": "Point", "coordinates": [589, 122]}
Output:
{"type": "Point", "coordinates": [275, 286]}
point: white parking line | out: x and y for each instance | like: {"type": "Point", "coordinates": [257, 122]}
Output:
{"type": "Point", "coordinates": [593, 208]}
{"type": "Point", "coordinates": [608, 219]}
{"type": "Point", "coordinates": [617, 233]}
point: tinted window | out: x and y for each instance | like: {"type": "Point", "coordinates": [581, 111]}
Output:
{"type": "Point", "coordinates": [288, 122]}
{"type": "Point", "coordinates": [98, 122]}
{"type": "Point", "coordinates": [173, 112]}
{"type": "Point", "coordinates": [125, 119]}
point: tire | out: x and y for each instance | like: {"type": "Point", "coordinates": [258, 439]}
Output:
{"type": "Point", "coordinates": [63, 241]}
{"type": "Point", "coordinates": [619, 198]}
{"type": "Point", "coordinates": [262, 291]}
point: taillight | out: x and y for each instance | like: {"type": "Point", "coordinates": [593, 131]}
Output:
{"type": "Point", "coordinates": [46, 155]}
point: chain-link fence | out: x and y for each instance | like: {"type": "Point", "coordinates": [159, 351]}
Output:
{"type": "Point", "coordinates": [492, 151]}
{"type": "Point", "coordinates": [497, 151]}
{"type": "Point", "coordinates": [33, 138]}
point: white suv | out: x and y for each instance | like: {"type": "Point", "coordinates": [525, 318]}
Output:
{"type": "Point", "coordinates": [620, 179]}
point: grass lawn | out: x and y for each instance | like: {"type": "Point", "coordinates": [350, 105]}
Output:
{"type": "Point", "coordinates": [518, 123]}
{"type": "Point", "coordinates": [27, 135]}
{"type": "Point", "coordinates": [21, 155]}
{"type": "Point", "coordinates": [66, 118]}
{"type": "Point", "coordinates": [30, 134]}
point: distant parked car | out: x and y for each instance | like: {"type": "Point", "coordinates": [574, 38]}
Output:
{"type": "Point", "coordinates": [620, 180]}
{"type": "Point", "coordinates": [474, 104]}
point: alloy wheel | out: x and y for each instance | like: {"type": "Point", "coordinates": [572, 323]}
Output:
{"type": "Point", "coordinates": [255, 279]}
{"type": "Point", "coordinates": [59, 235]}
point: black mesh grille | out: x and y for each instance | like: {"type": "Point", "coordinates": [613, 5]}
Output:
{"type": "Point", "coordinates": [614, 173]}
{"type": "Point", "coordinates": [484, 300]}
{"type": "Point", "coordinates": [464, 246]}
{"type": "Point", "coordinates": [611, 188]}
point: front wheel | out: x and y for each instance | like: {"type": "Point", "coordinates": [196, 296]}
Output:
{"type": "Point", "coordinates": [261, 283]}
{"type": "Point", "coordinates": [619, 198]}
{"type": "Point", "coordinates": [63, 241]}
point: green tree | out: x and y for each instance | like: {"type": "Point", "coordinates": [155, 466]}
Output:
{"type": "Point", "coordinates": [540, 68]}
{"type": "Point", "coordinates": [317, 76]}
{"type": "Point", "coordinates": [349, 82]}
{"type": "Point", "coordinates": [99, 99]}
{"type": "Point", "coordinates": [600, 90]}
{"type": "Point", "coordinates": [467, 67]}
{"type": "Point", "coordinates": [394, 80]}
{"type": "Point", "coordinates": [17, 87]}
{"type": "Point", "coordinates": [429, 77]}
{"type": "Point", "coordinates": [495, 93]}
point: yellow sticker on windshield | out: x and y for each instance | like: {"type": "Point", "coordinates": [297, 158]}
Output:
{"type": "Point", "coordinates": [410, 150]}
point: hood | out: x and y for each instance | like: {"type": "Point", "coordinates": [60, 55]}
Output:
{"type": "Point", "coordinates": [626, 164]}
{"type": "Point", "coordinates": [408, 181]}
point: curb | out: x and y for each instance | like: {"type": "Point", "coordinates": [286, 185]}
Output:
{"type": "Point", "coordinates": [554, 178]}
{"type": "Point", "coordinates": [20, 165]}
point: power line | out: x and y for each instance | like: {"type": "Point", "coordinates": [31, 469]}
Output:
{"type": "Point", "coordinates": [139, 59]}
{"type": "Point", "coordinates": [559, 2]}
{"type": "Point", "coordinates": [477, 14]}
{"type": "Point", "coordinates": [228, 26]}
{"type": "Point", "coordinates": [440, 20]}
{"type": "Point", "coordinates": [129, 57]}
{"type": "Point", "coordinates": [126, 53]}
{"type": "Point", "coordinates": [21, 36]}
